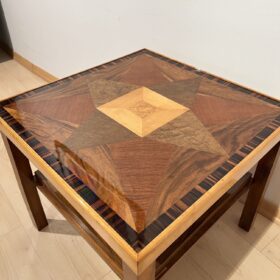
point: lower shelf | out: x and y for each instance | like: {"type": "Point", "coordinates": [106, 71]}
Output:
{"type": "Point", "coordinates": [167, 258]}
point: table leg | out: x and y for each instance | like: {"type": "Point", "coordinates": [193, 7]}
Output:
{"type": "Point", "coordinates": [24, 176]}
{"type": "Point", "coordinates": [257, 188]}
{"type": "Point", "coordinates": [148, 274]}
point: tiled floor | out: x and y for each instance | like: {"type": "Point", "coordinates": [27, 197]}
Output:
{"type": "Point", "coordinates": [58, 253]}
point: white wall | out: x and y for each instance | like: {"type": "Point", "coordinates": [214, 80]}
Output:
{"type": "Point", "coordinates": [65, 36]}
{"type": "Point", "coordinates": [239, 40]}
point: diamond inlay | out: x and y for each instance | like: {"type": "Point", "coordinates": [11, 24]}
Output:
{"type": "Point", "coordinates": [142, 110]}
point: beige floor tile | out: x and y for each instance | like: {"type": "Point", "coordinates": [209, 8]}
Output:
{"type": "Point", "coordinates": [7, 272]}
{"type": "Point", "coordinates": [52, 254]}
{"type": "Point", "coordinates": [186, 269]}
{"type": "Point", "coordinates": [111, 276]}
{"type": "Point", "coordinates": [22, 257]}
{"type": "Point", "coordinates": [272, 251]}
{"type": "Point", "coordinates": [11, 191]}
{"type": "Point", "coordinates": [8, 218]}
{"type": "Point", "coordinates": [85, 260]}
{"type": "Point", "coordinates": [223, 254]}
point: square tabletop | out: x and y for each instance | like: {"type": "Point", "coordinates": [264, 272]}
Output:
{"type": "Point", "coordinates": [141, 139]}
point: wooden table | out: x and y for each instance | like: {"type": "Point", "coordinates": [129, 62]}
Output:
{"type": "Point", "coordinates": [141, 155]}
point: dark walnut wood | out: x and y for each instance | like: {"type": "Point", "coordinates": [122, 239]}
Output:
{"type": "Point", "coordinates": [142, 138]}
{"type": "Point", "coordinates": [257, 188]}
{"type": "Point", "coordinates": [24, 176]}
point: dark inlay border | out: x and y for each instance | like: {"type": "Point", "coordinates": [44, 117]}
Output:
{"type": "Point", "coordinates": [139, 240]}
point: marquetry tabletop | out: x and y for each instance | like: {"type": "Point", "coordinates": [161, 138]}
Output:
{"type": "Point", "coordinates": [135, 144]}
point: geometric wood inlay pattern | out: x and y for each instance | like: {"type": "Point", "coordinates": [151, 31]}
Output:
{"type": "Point", "coordinates": [142, 110]}
{"type": "Point", "coordinates": [142, 138]}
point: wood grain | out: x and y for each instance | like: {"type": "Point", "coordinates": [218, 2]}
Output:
{"type": "Point", "coordinates": [188, 131]}
{"type": "Point", "coordinates": [45, 130]}
{"type": "Point", "coordinates": [148, 157]}
{"type": "Point", "coordinates": [233, 135]}
{"type": "Point", "coordinates": [212, 110]}
{"type": "Point", "coordinates": [209, 87]}
{"type": "Point", "coordinates": [187, 175]}
{"type": "Point", "coordinates": [182, 91]}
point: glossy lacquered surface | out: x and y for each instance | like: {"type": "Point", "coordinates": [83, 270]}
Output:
{"type": "Point", "coordinates": [142, 138]}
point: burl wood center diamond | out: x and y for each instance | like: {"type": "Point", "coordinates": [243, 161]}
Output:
{"type": "Point", "coordinates": [142, 110]}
